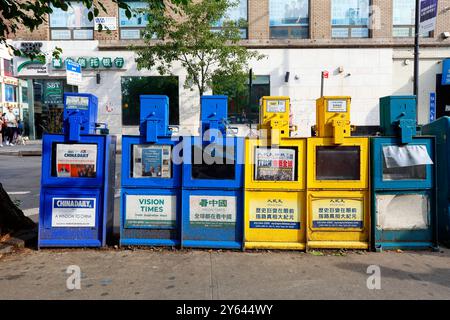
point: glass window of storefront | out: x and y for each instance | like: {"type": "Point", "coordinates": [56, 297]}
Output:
{"type": "Point", "coordinates": [289, 19]}
{"type": "Point", "coordinates": [49, 105]}
{"type": "Point", "coordinates": [72, 24]}
{"type": "Point", "coordinates": [350, 18]}
{"type": "Point", "coordinates": [238, 14]}
{"type": "Point", "coordinates": [403, 17]}
{"type": "Point", "coordinates": [133, 28]}
{"type": "Point", "coordinates": [10, 93]}
{"type": "Point", "coordinates": [243, 104]}
{"type": "Point", "coordinates": [133, 87]}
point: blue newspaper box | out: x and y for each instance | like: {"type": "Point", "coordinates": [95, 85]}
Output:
{"type": "Point", "coordinates": [151, 179]}
{"type": "Point", "coordinates": [441, 129]}
{"type": "Point", "coordinates": [77, 180]}
{"type": "Point", "coordinates": [403, 180]}
{"type": "Point", "coordinates": [212, 203]}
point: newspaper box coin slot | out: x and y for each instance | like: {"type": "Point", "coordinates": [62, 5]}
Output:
{"type": "Point", "coordinates": [338, 209]}
{"type": "Point", "coordinates": [151, 179]}
{"type": "Point", "coordinates": [275, 181]}
{"type": "Point", "coordinates": [77, 180]}
{"type": "Point", "coordinates": [212, 181]}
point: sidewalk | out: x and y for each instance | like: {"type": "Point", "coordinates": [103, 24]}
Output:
{"type": "Point", "coordinates": [212, 274]}
{"type": "Point", "coordinates": [32, 148]}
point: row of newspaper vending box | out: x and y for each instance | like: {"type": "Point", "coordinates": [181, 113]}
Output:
{"type": "Point", "coordinates": [270, 191]}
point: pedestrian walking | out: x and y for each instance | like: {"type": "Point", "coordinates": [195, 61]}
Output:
{"type": "Point", "coordinates": [11, 125]}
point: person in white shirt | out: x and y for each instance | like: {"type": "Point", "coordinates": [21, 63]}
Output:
{"type": "Point", "coordinates": [11, 124]}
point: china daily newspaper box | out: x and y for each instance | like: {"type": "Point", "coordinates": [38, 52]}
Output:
{"type": "Point", "coordinates": [441, 129]}
{"type": "Point", "coordinates": [77, 182]}
{"type": "Point", "coordinates": [151, 180]}
{"type": "Point", "coordinates": [337, 180]}
{"type": "Point", "coordinates": [275, 182]}
{"type": "Point", "coordinates": [403, 179]}
{"type": "Point", "coordinates": [212, 209]}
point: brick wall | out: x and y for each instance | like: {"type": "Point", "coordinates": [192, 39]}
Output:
{"type": "Point", "coordinates": [112, 10]}
{"type": "Point", "coordinates": [320, 19]}
{"type": "Point", "coordinates": [320, 27]}
{"type": "Point", "coordinates": [258, 20]}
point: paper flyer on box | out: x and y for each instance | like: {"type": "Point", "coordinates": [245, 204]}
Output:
{"type": "Point", "coordinates": [274, 164]}
{"type": "Point", "coordinates": [151, 161]}
{"type": "Point", "coordinates": [76, 160]}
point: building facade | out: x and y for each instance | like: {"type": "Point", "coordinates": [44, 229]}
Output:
{"type": "Point", "coordinates": [365, 45]}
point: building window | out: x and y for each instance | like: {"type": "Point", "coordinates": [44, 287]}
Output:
{"type": "Point", "coordinates": [350, 19]}
{"type": "Point", "coordinates": [7, 68]}
{"type": "Point", "coordinates": [72, 24]}
{"type": "Point", "coordinates": [133, 87]}
{"type": "Point", "coordinates": [243, 103]}
{"type": "Point", "coordinates": [404, 17]}
{"type": "Point", "coordinates": [289, 19]}
{"type": "Point", "coordinates": [237, 14]}
{"type": "Point", "coordinates": [134, 27]}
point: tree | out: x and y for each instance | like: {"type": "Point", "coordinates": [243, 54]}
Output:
{"type": "Point", "coordinates": [16, 14]}
{"type": "Point", "coordinates": [184, 34]}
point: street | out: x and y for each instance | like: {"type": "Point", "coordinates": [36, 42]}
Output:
{"type": "Point", "coordinates": [206, 274]}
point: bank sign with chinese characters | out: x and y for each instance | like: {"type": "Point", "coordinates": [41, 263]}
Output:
{"type": "Point", "coordinates": [91, 63]}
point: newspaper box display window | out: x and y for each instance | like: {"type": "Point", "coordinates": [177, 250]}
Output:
{"type": "Point", "coordinates": [78, 173]}
{"type": "Point", "coordinates": [151, 179]}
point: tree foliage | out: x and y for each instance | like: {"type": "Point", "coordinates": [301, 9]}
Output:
{"type": "Point", "coordinates": [184, 33]}
{"type": "Point", "coordinates": [31, 14]}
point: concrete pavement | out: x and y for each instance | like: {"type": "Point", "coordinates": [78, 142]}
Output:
{"type": "Point", "coordinates": [199, 274]}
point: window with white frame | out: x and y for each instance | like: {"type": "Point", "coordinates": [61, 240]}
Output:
{"type": "Point", "coordinates": [134, 27]}
{"type": "Point", "coordinates": [72, 24]}
{"type": "Point", "coordinates": [403, 18]}
{"type": "Point", "coordinates": [289, 19]}
{"type": "Point", "coordinates": [237, 13]}
{"type": "Point", "coordinates": [350, 18]}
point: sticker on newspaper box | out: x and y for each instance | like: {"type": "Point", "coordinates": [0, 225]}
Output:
{"type": "Point", "coordinates": [212, 211]}
{"type": "Point", "coordinates": [272, 164]}
{"type": "Point", "coordinates": [73, 212]}
{"type": "Point", "coordinates": [337, 106]}
{"type": "Point", "coordinates": [151, 161]}
{"type": "Point", "coordinates": [276, 106]}
{"type": "Point", "coordinates": [76, 160]}
{"type": "Point", "coordinates": [155, 210]}
{"type": "Point", "coordinates": [337, 213]}
{"type": "Point", "coordinates": [77, 102]}
{"type": "Point", "coordinates": [274, 212]}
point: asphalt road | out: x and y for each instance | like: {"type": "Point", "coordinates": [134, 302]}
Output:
{"type": "Point", "coordinates": [21, 178]}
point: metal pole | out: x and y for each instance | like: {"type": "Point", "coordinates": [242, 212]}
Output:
{"type": "Point", "coordinates": [321, 85]}
{"type": "Point", "coordinates": [416, 57]}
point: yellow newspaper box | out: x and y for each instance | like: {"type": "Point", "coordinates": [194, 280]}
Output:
{"type": "Point", "coordinates": [275, 182]}
{"type": "Point", "coordinates": [338, 196]}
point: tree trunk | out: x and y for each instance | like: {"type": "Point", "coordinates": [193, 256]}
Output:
{"type": "Point", "coordinates": [12, 218]}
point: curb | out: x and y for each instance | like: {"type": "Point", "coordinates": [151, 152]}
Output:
{"type": "Point", "coordinates": [18, 240]}
{"type": "Point", "coordinates": [22, 153]}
